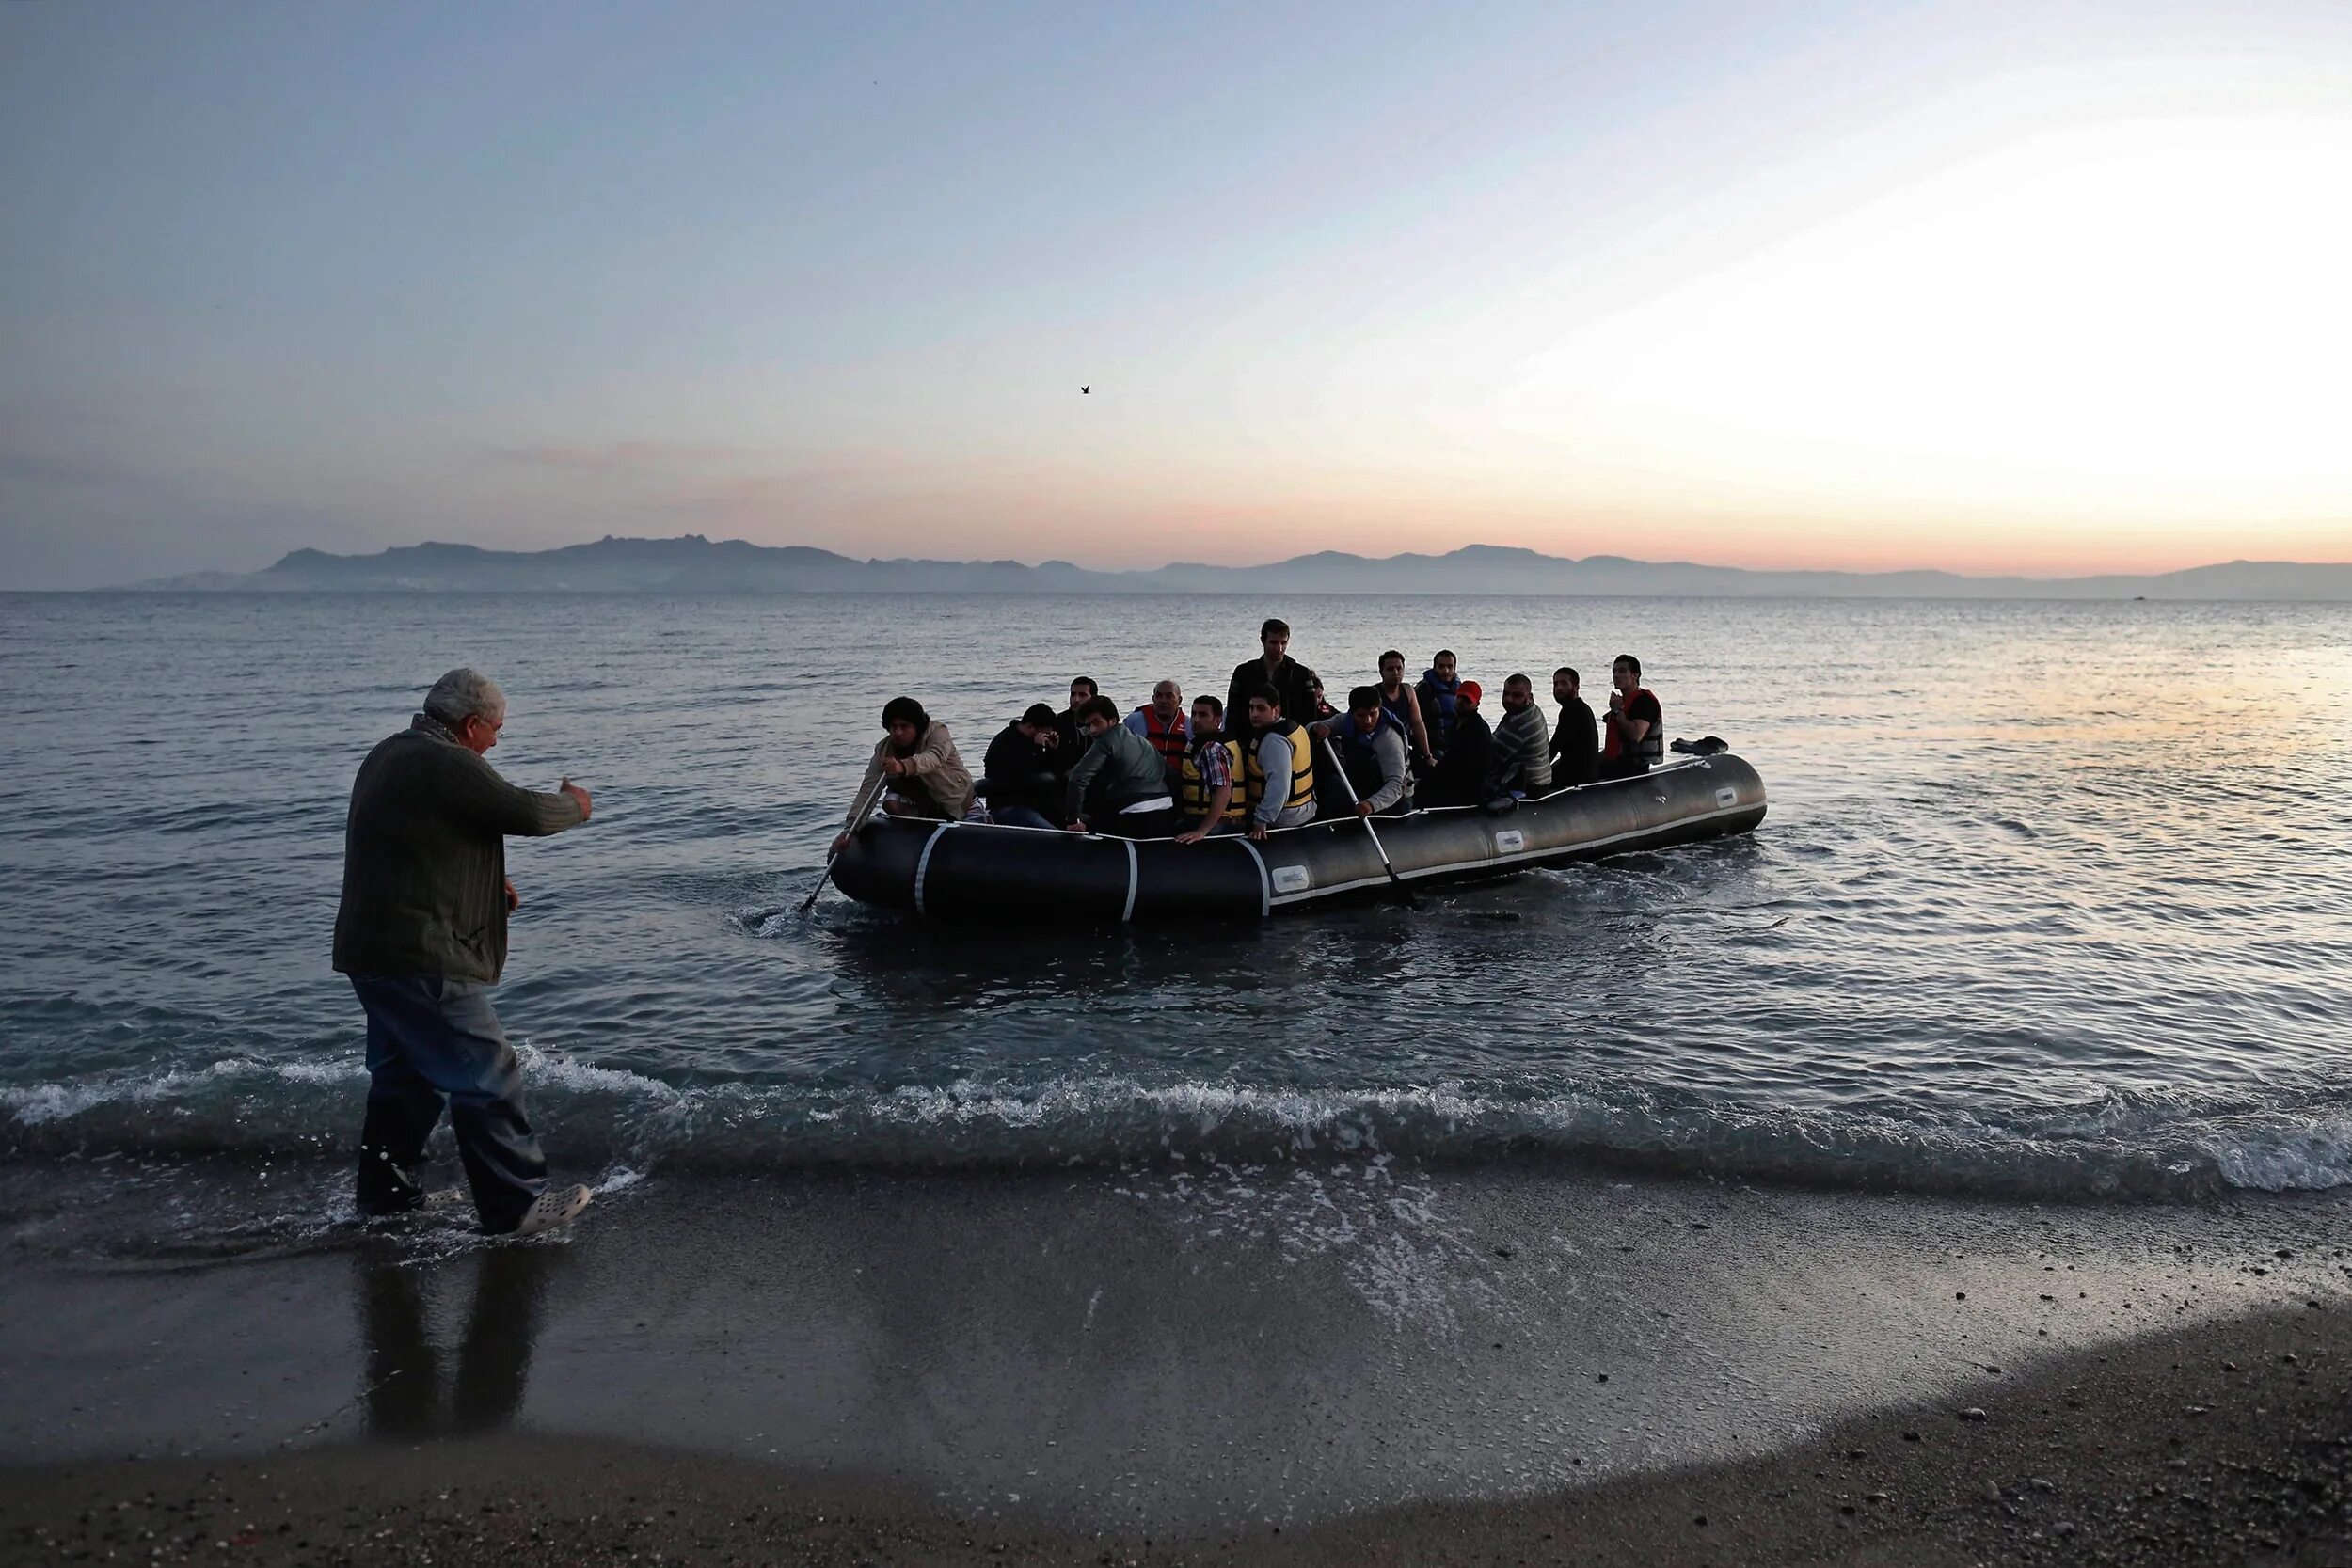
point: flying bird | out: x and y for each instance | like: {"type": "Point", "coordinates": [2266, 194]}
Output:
{"type": "Point", "coordinates": [1083, 390]}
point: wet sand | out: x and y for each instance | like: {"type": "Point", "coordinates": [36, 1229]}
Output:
{"type": "Point", "coordinates": [1345, 1363]}
{"type": "Point", "coordinates": [2230, 1443]}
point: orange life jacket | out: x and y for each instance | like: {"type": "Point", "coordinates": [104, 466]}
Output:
{"type": "Point", "coordinates": [1651, 748]}
{"type": "Point", "coordinates": [1172, 740]}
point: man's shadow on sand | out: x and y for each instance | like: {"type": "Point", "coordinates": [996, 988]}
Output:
{"type": "Point", "coordinates": [402, 1381]}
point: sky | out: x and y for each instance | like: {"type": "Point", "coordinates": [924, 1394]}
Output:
{"type": "Point", "coordinates": [2043, 288]}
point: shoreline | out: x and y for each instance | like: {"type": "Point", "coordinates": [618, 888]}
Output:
{"type": "Point", "coordinates": [1208, 1356]}
{"type": "Point", "coordinates": [2228, 1442]}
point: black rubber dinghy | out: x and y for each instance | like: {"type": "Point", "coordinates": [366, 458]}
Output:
{"type": "Point", "coordinates": [968, 871]}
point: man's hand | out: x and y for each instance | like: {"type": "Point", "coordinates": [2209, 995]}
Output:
{"type": "Point", "coordinates": [1195, 837]}
{"type": "Point", "coordinates": [1363, 808]}
{"type": "Point", "coordinates": [840, 842]}
{"type": "Point", "coordinates": [514, 899]}
{"type": "Point", "coordinates": [1076, 828]}
{"type": "Point", "coordinates": [1257, 832]}
{"type": "Point", "coordinates": [579, 797]}
{"type": "Point", "coordinates": [893, 767]}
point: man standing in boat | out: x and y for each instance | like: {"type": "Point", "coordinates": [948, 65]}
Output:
{"type": "Point", "coordinates": [1289, 679]}
{"type": "Point", "coordinates": [1636, 731]}
{"type": "Point", "coordinates": [1576, 740]}
{"type": "Point", "coordinates": [1277, 765]}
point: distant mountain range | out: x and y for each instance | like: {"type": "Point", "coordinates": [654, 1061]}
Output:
{"type": "Point", "coordinates": [693, 564]}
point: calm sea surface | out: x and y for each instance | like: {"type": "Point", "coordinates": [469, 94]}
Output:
{"type": "Point", "coordinates": [2054, 899]}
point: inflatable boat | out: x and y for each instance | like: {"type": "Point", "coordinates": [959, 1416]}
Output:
{"type": "Point", "coordinates": [977, 871]}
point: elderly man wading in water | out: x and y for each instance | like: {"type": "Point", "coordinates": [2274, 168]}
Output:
{"type": "Point", "coordinates": [421, 934]}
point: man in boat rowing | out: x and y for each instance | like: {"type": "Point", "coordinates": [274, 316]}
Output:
{"type": "Point", "coordinates": [1277, 765]}
{"type": "Point", "coordinates": [1575, 743]}
{"type": "Point", "coordinates": [1439, 697]}
{"type": "Point", "coordinates": [421, 936]}
{"type": "Point", "coordinates": [1460, 777]}
{"type": "Point", "coordinates": [1636, 728]}
{"type": "Point", "coordinates": [1162, 723]}
{"type": "Point", "coordinates": [1371, 747]}
{"type": "Point", "coordinates": [1208, 791]}
{"type": "Point", "coordinates": [1122, 772]}
{"type": "Point", "coordinates": [1520, 764]}
{"type": "Point", "coordinates": [1276, 669]}
{"type": "Point", "coordinates": [920, 772]}
{"type": "Point", "coordinates": [1023, 787]}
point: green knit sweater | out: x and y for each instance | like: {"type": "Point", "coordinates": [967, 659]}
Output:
{"type": "Point", "coordinates": [424, 858]}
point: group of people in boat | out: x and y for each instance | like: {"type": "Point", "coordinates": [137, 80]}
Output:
{"type": "Point", "coordinates": [1249, 763]}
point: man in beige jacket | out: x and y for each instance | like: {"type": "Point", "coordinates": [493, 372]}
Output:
{"type": "Point", "coordinates": [924, 776]}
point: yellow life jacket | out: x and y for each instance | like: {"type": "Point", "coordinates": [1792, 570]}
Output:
{"type": "Point", "coordinates": [1193, 795]}
{"type": "Point", "coordinates": [1302, 766]}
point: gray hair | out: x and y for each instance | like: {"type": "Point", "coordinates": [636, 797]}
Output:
{"type": "Point", "coordinates": [462, 693]}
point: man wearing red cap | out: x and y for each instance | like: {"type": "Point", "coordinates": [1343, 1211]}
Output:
{"type": "Point", "coordinates": [1460, 777]}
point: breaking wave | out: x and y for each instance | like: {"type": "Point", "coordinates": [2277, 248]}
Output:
{"type": "Point", "coordinates": [2147, 1151]}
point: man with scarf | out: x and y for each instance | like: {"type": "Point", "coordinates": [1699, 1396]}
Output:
{"type": "Point", "coordinates": [420, 933]}
{"type": "Point", "coordinates": [1372, 750]}
{"type": "Point", "coordinates": [1439, 694]}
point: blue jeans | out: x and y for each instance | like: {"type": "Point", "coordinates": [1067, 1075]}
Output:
{"type": "Point", "coordinates": [1020, 816]}
{"type": "Point", "coordinates": [433, 1041]}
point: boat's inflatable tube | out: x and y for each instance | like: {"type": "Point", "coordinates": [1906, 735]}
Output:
{"type": "Point", "coordinates": [970, 871]}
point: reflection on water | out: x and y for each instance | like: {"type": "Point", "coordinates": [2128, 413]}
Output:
{"type": "Point", "coordinates": [402, 1381]}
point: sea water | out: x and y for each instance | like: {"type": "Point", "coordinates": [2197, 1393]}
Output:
{"type": "Point", "coordinates": [2054, 899]}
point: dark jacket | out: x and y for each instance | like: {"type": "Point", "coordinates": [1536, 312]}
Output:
{"type": "Point", "coordinates": [1289, 679]}
{"type": "Point", "coordinates": [1460, 777]}
{"type": "Point", "coordinates": [1073, 742]}
{"type": "Point", "coordinates": [424, 858]}
{"type": "Point", "coordinates": [1021, 773]}
{"type": "Point", "coordinates": [1575, 746]}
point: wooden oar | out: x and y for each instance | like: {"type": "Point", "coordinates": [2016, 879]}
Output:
{"type": "Point", "coordinates": [857, 820]}
{"type": "Point", "coordinates": [1340, 770]}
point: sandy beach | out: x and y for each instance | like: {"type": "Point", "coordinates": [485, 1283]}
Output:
{"type": "Point", "coordinates": [1337, 1363]}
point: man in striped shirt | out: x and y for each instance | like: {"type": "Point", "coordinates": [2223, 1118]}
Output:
{"type": "Point", "coordinates": [1520, 763]}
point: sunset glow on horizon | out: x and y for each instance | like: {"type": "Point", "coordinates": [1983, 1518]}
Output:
{"type": "Point", "coordinates": [1815, 286]}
